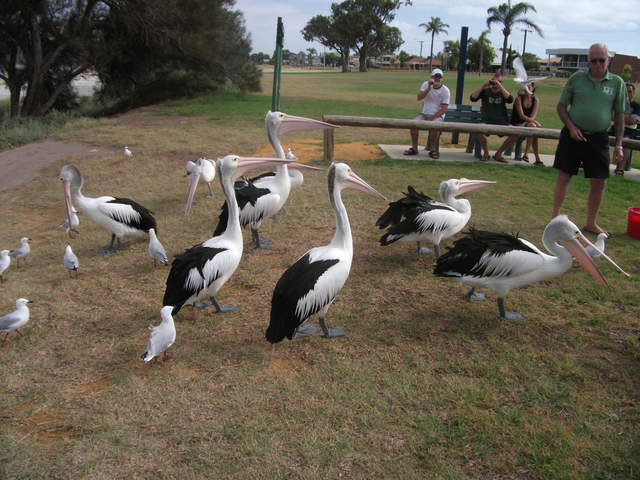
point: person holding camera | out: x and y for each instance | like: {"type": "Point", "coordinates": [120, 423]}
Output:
{"type": "Point", "coordinates": [493, 110]}
{"type": "Point", "coordinates": [587, 103]}
{"type": "Point", "coordinates": [435, 96]}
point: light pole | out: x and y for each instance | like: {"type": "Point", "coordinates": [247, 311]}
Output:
{"type": "Point", "coordinates": [525, 30]}
{"type": "Point", "coordinates": [420, 42]}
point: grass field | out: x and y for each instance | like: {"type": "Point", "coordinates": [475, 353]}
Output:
{"type": "Point", "coordinates": [425, 385]}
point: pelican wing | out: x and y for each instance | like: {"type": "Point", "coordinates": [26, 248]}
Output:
{"type": "Point", "coordinates": [247, 196]}
{"type": "Point", "coordinates": [431, 217]}
{"type": "Point", "coordinates": [398, 210]}
{"type": "Point", "coordinates": [191, 272]}
{"type": "Point", "coordinates": [299, 294]}
{"type": "Point", "coordinates": [124, 210]}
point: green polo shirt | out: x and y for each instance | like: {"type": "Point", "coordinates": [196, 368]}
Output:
{"type": "Point", "coordinates": [591, 103]}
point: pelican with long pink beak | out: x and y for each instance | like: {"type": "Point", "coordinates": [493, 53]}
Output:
{"type": "Point", "coordinates": [200, 272]}
{"type": "Point", "coordinates": [202, 169]}
{"type": "Point", "coordinates": [502, 262]}
{"type": "Point", "coordinates": [265, 196]}
{"type": "Point", "coordinates": [311, 284]}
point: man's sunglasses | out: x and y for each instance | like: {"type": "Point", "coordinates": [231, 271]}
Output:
{"type": "Point", "coordinates": [598, 60]}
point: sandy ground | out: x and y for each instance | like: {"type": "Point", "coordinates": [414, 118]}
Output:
{"type": "Point", "coordinates": [21, 164]}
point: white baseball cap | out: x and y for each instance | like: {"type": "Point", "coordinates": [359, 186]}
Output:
{"type": "Point", "coordinates": [437, 71]}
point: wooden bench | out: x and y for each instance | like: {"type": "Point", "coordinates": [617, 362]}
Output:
{"type": "Point", "coordinates": [472, 114]}
{"type": "Point", "coordinates": [633, 134]}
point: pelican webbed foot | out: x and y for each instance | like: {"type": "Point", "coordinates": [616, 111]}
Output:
{"type": "Point", "coordinates": [508, 315]}
{"type": "Point", "coordinates": [305, 330]}
{"type": "Point", "coordinates": [474, 296]}
{"type": "Point", "coordinates": [223, 308]}
{"type": "Point", "coordinates": [422, 250]}
{"type": "Point", "coordinates": [329, 332]}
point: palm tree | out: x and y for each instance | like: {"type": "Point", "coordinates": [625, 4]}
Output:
{"type": "Point", "coordinates": [509, 15]}
{"type": "Point", "coordinates": [435, 26]}
{"type": "Point", "coordinates": [482, 39]}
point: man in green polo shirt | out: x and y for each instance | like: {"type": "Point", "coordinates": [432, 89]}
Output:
{"type": "Point", "coordinates": [585, 107]}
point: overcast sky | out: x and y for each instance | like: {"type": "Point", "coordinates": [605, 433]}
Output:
{"type": "Point", "coordinates": [577, 24]}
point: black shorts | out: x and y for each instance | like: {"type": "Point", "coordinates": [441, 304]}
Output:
{"type": "Point", "coordinates": [592, 155]}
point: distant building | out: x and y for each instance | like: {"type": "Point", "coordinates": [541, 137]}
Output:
{"type": "Point", "coordinates": [549, 63]}
{"type": "Point", "coordinates": [419, 63]}
{"type": "Point", "coordinates": [619, 61]}
{"type": "Point", "coordinates": [573, 59]}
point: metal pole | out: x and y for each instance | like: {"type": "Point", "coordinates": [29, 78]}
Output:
{"type": "Point", "coordinates": [275, 96]}
{"type": "Point", "coordinates": [461, 68]}
{"type": "Point", "coordinates": [420, 42]}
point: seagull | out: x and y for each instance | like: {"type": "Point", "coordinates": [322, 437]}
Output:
{"type": "Point", "coordinates": [161, 337]}
{"type": "Point", "coordinates": [156, 250]}
{"type": "Point", "coordinates": [70, 261]}
{"type": "Point", "coordinates": [22, 251]}
{"type": "Point", "coordinates": [599, 245]}
{"type": "Point", "coordinates": [15, 320]}
{"type": "Point", "coordinates": [127, 152]}
{"type": "Point", "coordinates": [5, 261]}
{"type": "Point", "coordinates": [69, 225]}
{"type": "Point", "coordinates": [121, 216]}
{"type": "Point", "coordinates": [521, 77]}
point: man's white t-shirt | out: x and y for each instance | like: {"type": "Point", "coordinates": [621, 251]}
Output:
{"type": "Point", "coordinates": [435, 98]}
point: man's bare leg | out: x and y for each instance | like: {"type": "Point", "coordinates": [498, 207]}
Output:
{"type": "Point", "coordinates": [593, 203]}
{"type": "Point", "coordinates": [560, 192]}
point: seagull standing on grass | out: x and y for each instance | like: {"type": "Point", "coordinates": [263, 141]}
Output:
{"type": "Point", "coordinates": [22, 251]}
{"type": "Point", "coordinates": [156, 250]}
{"type": "Point", "coordinates": [127, 152]}
{"type": "Point", "coordinates": [70, 261]}
{"type": "Point", "coordinates": [15, 320]}
{"type": "Point", "coordinates": [5, 261]}
{"type": "Point", "coordinates": [70, 224]}
{"type": "Point", "coordinates": [600, 245]}
{"type": "Point", "coordinates": [161, 337]}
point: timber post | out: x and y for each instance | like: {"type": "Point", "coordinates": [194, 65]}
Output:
{"type": "Point", "coordinates": [329, 143]}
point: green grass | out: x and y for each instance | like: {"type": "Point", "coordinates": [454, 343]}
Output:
{"type": "Point", "coordinates": [425, 384]}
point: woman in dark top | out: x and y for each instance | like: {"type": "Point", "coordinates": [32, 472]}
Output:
{"type": "Point", "coordinates": [525, 111]}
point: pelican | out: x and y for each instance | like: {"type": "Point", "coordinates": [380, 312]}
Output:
{"type": "Point", "coordinates": [70, 261]}
{"type": "Point", "coordinates": [501, 262]}
{"type": "Point", "coordinates": [15, 320]}
{"type": "Point", "coordinates": [70, 224]}
{"type": "Point", "coordinates": [5, 261]}
{"type": "Point", "coordinates": [312, 283]}
{"type": "Point", "coordinates": [22, 251]}
{"type": "Point", "coordinates": [265, 197]}
{"type": "Point", "coordinates": [416, 217]}
{"type": "Point", "coordinates": [156, 250]}
{"type": "Point", "coordinates": [522, 78]}
{"type": "Point", "coordinates": [202, 270]}
{"type": "Point", "coordinates": [204, 169]}
{"type": "Point", "coordinates": [161, 337]}
{"type": "Point", "coordinates": [127, 153]}
{"type": "Point", "coordinates": [121, 216]}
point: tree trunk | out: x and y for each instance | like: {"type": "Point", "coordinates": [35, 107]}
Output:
{"type": "Point", "coordinates": [14, 90]}
{"type": "Point", "coordinates": [363, 58]}
{"type": "Point", "coordinates": [504, 53]}
{"type": "Point", "coordinates": [431, 54]}
{"type": "Point", "coordinates": [345, 60]}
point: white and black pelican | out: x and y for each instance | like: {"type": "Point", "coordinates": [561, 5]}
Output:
{"type": "Point", "coordinates": [311, 284]}
{"type": "Point", "coordinates": [161, 336]}
{"type": "Point", "coordinates": [417, 217]}
{"type": "Point", "coordinates": [202, 270]}
{"type": "Point", "coordinates": [265, 197]}
{"type": "Point", "coordinates": [22, 252]}
{"type": "Point", "coordinates": [502, 262]}
{"type": "Point", "coordinates": [70, 260]}
{"type": "Point", "coordinates": [15, 320]}
{"type": "Point", "coordinates": [121, 216]}
{"type": "Point", "coordinates": [202, 169]}
{"type": "Point", "coordinates": [5, 261]}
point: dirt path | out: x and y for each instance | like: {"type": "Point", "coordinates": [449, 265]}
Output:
{"type": "Point", "coordinates": [21, 164]}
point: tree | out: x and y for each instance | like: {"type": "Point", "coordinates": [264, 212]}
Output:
{"type": "Point", "coordinates": [259, 58]}
{"type": "Point", "coordinates": [46, 44]}
{"type": "Point", "coordinates": [435, 26]}
{"type": "Point", "coordinates": [627, 72]}
{"type": "Point", "coordinates": [530, 61]}
{"type": "Point", "coordinates": [485, 45]}
{"type": "Point", "coordinates": [331, 59]}
{"type": "Point", "coordinates": [332, 32]}
{"type": "Point", "coordinates": [508, 16]}
{"type": "Point", "coordinates": [403, 57]}
{"type": "Point", "coordinates": [480, 53]}
{"type": "Point", "coordinates": [451, 52]}
{"type": "Point", "coordinates": [311, 52]}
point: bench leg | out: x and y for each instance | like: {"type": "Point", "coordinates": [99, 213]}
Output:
{"type": "Point", "coordinates": [518, 150]}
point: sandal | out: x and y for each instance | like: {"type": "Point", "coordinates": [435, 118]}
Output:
{"type": "Point", "coordinates": [539, 163]}
{"type": "Point", "coordinates": [619, 172]}
{"type": "Point", "coordinates": [484, 158]}
{"type": "Point", "coordinates": [593, 232]}
{"type": "Point", "coordinates": [411, 151]}
{"type": "Point", "coordinates": [434, 155]}
{"type": "Point", "coordinates": [525, 158]}
{"type": "Point", "coordinates": [500, 158]}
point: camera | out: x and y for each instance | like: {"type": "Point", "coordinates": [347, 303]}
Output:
{"type": "Point", "coordinates": [493, 83]}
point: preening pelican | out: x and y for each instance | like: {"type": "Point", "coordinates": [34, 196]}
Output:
{"type": "Point", "coordinates": [311, 284]}
{"type": "Point", "coordinates": [22, 251]}
{"type": "Point", "coordinates": [502, 262]}
{"type": "Point", "coordinates": [417, 217]}
{"type": "Point", "coordinates": [5, 261]}
{"type": "Point", "coordinates": [161, 336]}
{"type": "Point", "coordinates": [202, 270]}
{"type": "Point", "coordinates": [15, 320]}
{"type": "Point", "coordinates": [265, 197]}
{"type": "Point", "coordinates": [202, 169]}
{"type": "Point", "coordinates": [121, 216]}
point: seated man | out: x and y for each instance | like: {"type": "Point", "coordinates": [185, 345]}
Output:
{"type": "Point", "coordinates": [435, 96]}
{"type": "Point", "coordinates": [494, 109]}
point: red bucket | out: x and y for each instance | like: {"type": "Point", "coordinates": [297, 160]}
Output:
{"type": "Point", "coordinates": [633, 222]}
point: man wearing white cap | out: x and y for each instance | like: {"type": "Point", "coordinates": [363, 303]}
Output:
{"type": "Point", "coordinates": [435, 97]}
